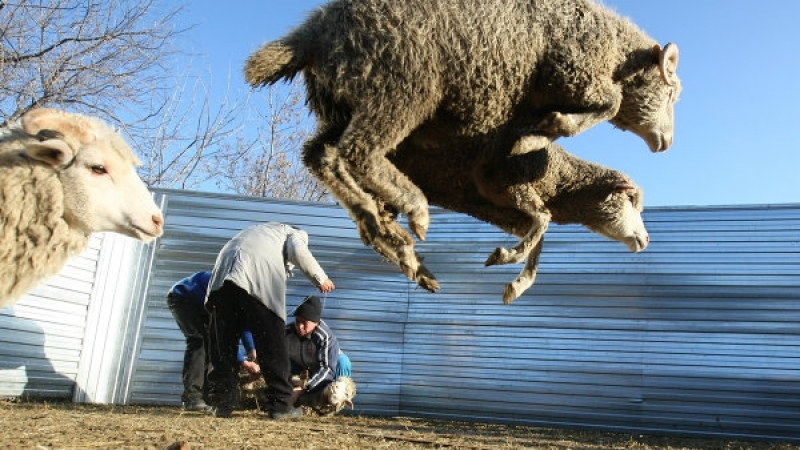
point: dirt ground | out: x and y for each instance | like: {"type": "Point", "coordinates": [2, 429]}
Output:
{"type": "Point", "coordinates": [46, 425]}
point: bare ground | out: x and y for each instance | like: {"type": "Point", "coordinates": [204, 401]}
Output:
{"type": "Point", "coordinates": [47, 425]}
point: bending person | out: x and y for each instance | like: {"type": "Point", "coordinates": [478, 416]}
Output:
{"type": "Point", "coordinates": [248, 290]}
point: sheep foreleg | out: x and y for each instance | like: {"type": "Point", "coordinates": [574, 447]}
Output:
{"type": "Point", "coordinates": [519, 252]}
{"type": "Point", "coordinates": [397, 246]}
{"type": "Point", "coordinates": [557, 124]}
{"type": "Point", "coordinates": [525, 278]}
{"type": "Point", "coordinates": [325, 163]}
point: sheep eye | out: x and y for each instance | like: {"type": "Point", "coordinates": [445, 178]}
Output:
{"type": "Point", "coordinates": [99, 170]}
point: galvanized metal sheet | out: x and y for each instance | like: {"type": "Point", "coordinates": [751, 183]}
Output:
{"type": "Point", "coordinates": [698, 334]}
{"type": "Point", "coordinates": [41, 336]}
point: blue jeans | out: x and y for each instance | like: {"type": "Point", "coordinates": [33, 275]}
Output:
{"type": "Point", "coordinates": [343, 366]}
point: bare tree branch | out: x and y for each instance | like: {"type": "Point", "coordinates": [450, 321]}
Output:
{"type": "Point", "coordinates": [121, 60]}
{"type": "Point", "coordinates": [267, 161]}
{"type": "Point", "coordinates": [94, 55]}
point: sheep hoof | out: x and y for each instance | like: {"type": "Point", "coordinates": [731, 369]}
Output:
{"type": "Point", "coordinates": [530, 143]}
{"type": "Point", "coordinates": [426, 280]}
{"type": "Point", "coordinates": [499, 256]}
{"type": "Point", "coordinates": [509, 294]}
{"type": "Point", "coordinates": [429, 284]}
{"type": "Point", "coordinates": [419, 224]}
{"type": "Point", "coordinates": [557, 124]}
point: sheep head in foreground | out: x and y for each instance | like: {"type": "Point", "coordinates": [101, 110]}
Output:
{"type": "Point", "coordinates": [336, 396]}
{"type": "Point", "coordinates": [62, 177]}
{"type": "Point", "coordinates": [520, 191]}
{"type": "Point", "coordinates": [380, 73]}
{"type": "Point", "coordinates": [330, 400]}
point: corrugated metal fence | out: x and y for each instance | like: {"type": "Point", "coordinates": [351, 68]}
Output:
{"type": "Point", "coordinates": [699, 334]}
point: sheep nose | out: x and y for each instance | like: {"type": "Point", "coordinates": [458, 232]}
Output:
{"type": "Point", "coordinates": [158, 221]}
{"type": "Point", "coordinates": [668, 141]}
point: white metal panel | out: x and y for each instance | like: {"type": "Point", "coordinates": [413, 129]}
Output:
{"type": "Point", "coordinates": [114, 320]}
{"type": "Point", "coordinates": [42, 335]}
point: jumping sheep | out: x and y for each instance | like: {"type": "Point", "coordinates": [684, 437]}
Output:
{"type": "Point", "coordinates": [383, 73]}
{"type": "Point", "coordinates": [520, 193]}
{"type": "Point", "coordinates": [62, 177]}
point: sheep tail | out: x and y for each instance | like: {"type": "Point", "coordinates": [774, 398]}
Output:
{"type": "Point", "coordinates": [272, 62]}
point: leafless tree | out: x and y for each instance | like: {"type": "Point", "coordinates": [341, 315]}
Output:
{"type": "Point", "coordinates": [184, 132]}
{"type": "Point", "coordinates": [265, 161]}
{"type": "Point", "coordinates": [122, 60]}
{"type": "Point", "coordinates": [90, 55]}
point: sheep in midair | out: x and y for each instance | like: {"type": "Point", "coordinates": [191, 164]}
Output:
{"type": "Point", "coordinates": [62, 177]}
{"type": "Point", "coordinates": [380, 73]}
{"type": "Point", "coordinates": [519, 190]}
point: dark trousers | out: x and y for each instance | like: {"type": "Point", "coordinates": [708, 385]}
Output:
{"type": "Point", "coordinates": [231, 309]}
{"type": "Point", "coordinates": [191, 319]}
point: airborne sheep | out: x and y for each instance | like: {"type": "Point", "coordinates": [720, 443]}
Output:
{"type": "Point", "coordinates": [62, 177]}
{"type": "Point", "coordinates": [383, 73]}
{"type": "Point", "coordinates": [520, 193]}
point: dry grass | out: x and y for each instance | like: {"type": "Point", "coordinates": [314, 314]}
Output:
{"type": "Point", "coordinates": [43, 425]}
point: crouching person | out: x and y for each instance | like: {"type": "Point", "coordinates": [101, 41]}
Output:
{"type": "Point", "coordinates": [314, 350]}
{"type": "Point", "coordinates": [248, 291]}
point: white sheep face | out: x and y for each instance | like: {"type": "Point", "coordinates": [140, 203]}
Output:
{"type": "Point", "coordinates": [340, 393]}
{"type": "Point", "coordinates": [102, 191]}
{"type": "Point", "coordinates": [623, 210]}
{"type": "Point", "coordinates": [648, 106]}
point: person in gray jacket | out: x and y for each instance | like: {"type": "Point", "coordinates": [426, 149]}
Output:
{"type": "Point", "coordinates": [248, 291]}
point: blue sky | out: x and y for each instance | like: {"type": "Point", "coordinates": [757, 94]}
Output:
{"type": "Point", "coordinates": [736, 121]}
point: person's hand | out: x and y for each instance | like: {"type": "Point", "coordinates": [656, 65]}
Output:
{"type": "Point", "coordinates": [252, 368]}
{"type": "Point", "coordinates": [295, 394]}
{"type": "Point", "coordinates": [327, 286]}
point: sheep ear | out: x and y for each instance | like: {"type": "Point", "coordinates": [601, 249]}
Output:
{"type": "Point", "coordinates": [620, 186]}
{"type": "Point", "coordinates": [69, 125]}
{"type": "Point", "coordinates": [54, 152]}
{"type": "Point", "coordinates": [667, 62]}
{"type": "Point", "coordinates": [623, 185]}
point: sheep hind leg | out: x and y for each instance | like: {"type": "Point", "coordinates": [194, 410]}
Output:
{"type": "Point", "coordinates": [396, 245]}
{"type": "Point", "coordinates": [526, 277]}
{"type": "Point", "coordinates": [365, 152]}
{"type": "Point", "coordinates": [324, 162]}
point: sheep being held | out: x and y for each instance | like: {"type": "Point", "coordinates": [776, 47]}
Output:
{"type": "Point", "coordinates": [62, 177]}
{"type": "Point", "coordinates": [519, 190]}
{"type": "Point", "coordinates": [382, 73]}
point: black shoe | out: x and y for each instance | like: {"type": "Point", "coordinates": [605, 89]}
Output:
{"type": "Point", "coordinates": [292, 413]}
{"type": "Point", "coordinates": [223, 412]}
{"type": "Point", "coordinates": [197, 406]}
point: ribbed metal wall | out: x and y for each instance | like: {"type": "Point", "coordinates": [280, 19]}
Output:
{"type": "Point", "coordinates": [42, 335]}
{"type": "Point", "coordinates": [699, 334]}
